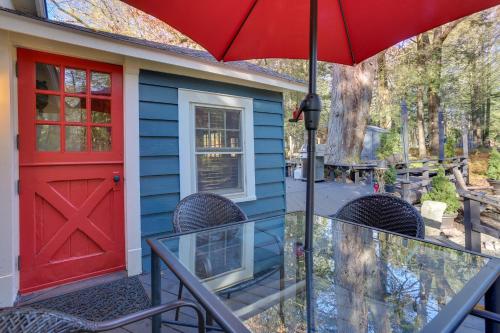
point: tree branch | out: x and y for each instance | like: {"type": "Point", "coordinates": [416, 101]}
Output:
{"type": "Point", "coordinates": [71, 14]}
{"type": "Point", "coordinates": [446, 29]}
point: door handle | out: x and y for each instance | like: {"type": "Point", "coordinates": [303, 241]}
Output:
{"type": "Point", "coordinates": [116, 178]}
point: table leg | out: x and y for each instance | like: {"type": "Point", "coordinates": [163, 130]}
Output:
{"type": "Point", "coordinates": [356, 176]}
{"type": "Point", "coordinates": [492, 303]}
{"type": "Point", "coordinates": [155, 290]}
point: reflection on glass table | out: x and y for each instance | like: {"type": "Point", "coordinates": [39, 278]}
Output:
{"type": "Point", "coordinates": [361, 279]}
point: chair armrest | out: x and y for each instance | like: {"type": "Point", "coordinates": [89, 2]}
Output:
{"type": "Point", "coordinates": [133, 317]}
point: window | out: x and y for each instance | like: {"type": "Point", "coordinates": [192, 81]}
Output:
{"type": "Point", "coordinates": [221, 257]}
{"type": "Point", "coordinates": [218, 150]}
{"type": "Point", "coordinates": [65, 120]}
{"type": "Point", "coordinates": [216, 145]}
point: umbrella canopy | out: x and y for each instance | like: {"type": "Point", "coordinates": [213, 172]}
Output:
{"type": "Point", "coordinates": [349, 31]}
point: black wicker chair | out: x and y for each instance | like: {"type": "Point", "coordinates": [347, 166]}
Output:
{"type": "Point", "coordinates": [386, 212]}
{"type": "Point", "coordinates": [202, 210]}
{"type": "Point", "coordinates": [29, 320]}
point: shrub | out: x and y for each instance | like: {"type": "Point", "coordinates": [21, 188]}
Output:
{"type": "Point", "coordinates": [390, 176]}
{"type": "Point", "coordinates": [449, 147]}
{"type": "Point", "coordinates": [494, 165]}
{"type": "Point", "coordinates": [444, 191]}
{"type": "Point", "coordinates": [390, 144]}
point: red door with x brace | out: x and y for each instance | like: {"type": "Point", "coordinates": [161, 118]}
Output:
{"type": "Point", "coordinates": [71, 169]}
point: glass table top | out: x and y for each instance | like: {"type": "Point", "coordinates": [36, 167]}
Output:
{"type": "Point", "coordinates": [362, 280]}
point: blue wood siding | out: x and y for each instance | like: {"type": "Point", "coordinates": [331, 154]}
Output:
{"type": "Point", "coordinates": [159, 149]}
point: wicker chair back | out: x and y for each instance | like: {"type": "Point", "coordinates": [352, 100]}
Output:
{"type": "Point", "coordinates": [202, 210]}
{"type": "Point", "coordinates": [386, 212]}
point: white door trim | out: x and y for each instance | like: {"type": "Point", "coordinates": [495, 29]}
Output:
{"type": "Point", "coordinates": [132, 166]}
{"type": "Point", "coordinates": [9, 173]}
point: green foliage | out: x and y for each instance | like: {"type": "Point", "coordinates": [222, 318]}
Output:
{"type": "Point", "coordinates": [390, 144]}
{"type": "Point", "coordinates": [443, 190]}
{"type": "Point", "coordinates": [390, 176]}
{"type": "Point", "coordinates": [494, 165]}
{"type": "Point", "coordinates": [449, 147]}
{"type": "Point", "coordinates": [337, 172]}
{"type": "Point", "coordinates": [416, 165]}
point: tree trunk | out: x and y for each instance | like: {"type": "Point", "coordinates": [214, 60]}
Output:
{"type": "Point", "coordinates": [360, 282]}
{"type": "Point", "coordinates": [351, 98]}
{"type": "Point", "coordinates": [487, 123]}
{"type": "Point", "coordinates": [476, 109]}
{"type": "Point", "coordinates": [433, 106]}
{"type": "Point", "coordinates": [350, 256]}
{"type": "Point", "coordinates": [422, 152]}
{"type": "Point", "coordinates": [422, 45]}
{"type": "Point", "coordinates": [384, 107]}
{"type": "Point", "coordinates": [434, 64]}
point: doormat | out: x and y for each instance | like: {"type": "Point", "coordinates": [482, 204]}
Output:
{"type": "Point", "coordinates": [102, 302]}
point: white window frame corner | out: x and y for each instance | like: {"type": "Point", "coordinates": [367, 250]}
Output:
{"type": "Point", "coordinates": [187, 99]}
{"type": "Point", "coordinates": [187, 256]}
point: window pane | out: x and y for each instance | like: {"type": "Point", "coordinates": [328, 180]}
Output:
{"type": "Point", "coordinates": [76, 138]}
{"type": "Point", "coordinates": [75, 109]}
{"type": "Point", "coordinates": [233, 119]}
{"type": "Point", "coordinates": [202, 138]}
{"type": "Point", "coordinates": [48, 107]}
{"type": "Point", "coordinates": [75, 81]}
{"type": "Point", "coordinates": [216, 118]}
{"type": "Point", "coordinates": [219, 173]}
{"type": "Point", "coordinates": [47, 77]}
{"type": "Point", "coordinates": [233, 139]}
{"type": "Point", "coordinates": [101, 110]}
{"type": "Point", "coordinates": [217, 139]}
{"type": "Point", "coordinates": [223, 129]}
{"type": "Point", "coordinates": [201, 117]}
{"type": "Point", "coordinates": [101, 139]}
{"type": "Point", "coordinates": [219, 250]}
{"type": "Point", "coordinates": [100, 83]}
{"type": "Point", "coordinates": [48, 138]}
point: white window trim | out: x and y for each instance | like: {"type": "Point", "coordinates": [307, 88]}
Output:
{"type": "Point", "coordinates": [187, 99]}
{"type": "Point", "coordinates": [187, 256]}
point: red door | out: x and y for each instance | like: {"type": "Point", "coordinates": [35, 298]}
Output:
{"type": "Point", "coordinates": [71, 169]}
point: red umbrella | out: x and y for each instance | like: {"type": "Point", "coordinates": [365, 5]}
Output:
{"type": "Point", "coordinates": [340, 31]}
{"type": "Point", "coordinates": [349, 31]}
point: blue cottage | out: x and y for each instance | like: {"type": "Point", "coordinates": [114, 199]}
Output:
{"type": "Point", "coordinates": [115, 131]}
{"type": "Point", "coordinates": [203, 135]}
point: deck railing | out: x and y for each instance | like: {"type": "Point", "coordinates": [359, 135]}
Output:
{"type": "Point", "coordinates": [472, 220]}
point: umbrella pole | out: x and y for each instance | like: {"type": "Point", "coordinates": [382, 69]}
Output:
{"type": "Point", "coordinates": [311, 106]}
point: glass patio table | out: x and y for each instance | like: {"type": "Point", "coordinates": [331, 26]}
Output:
{"type": "Point", "coordinates": [255, 276]}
